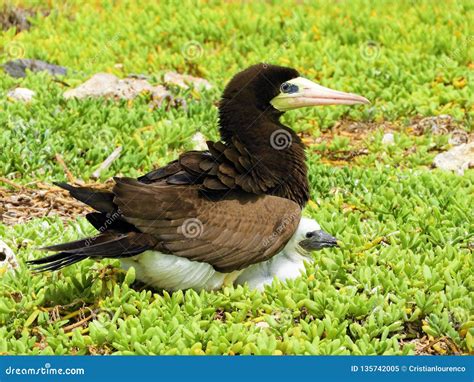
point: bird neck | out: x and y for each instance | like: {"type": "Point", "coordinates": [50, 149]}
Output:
{"type": "Point", "coordinates": [277, 150]}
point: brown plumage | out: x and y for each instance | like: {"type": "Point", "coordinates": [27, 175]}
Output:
{"type": "Point", "coordinates": [244, 195]}
{"type": "Point", "coordinates": [177, 220]}
{"type": "Point", "coordinates": [220, 232]}
{"type": "Point", "coordinates": [231, 166]}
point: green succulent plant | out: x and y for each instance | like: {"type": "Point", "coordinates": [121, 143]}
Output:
{"type": "Point", "coordinates": [404, 267]}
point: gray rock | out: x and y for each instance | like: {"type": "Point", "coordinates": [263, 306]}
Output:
{"type": "Point", "coordinates": [17, 68]}
{"type": "Point", "coordinates": [458, 159]}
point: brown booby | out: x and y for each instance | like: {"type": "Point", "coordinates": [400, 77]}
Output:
{"type": "Point", "coordinates": [233, 206]}
{"type": "Point", "coordinates": [172, 273]}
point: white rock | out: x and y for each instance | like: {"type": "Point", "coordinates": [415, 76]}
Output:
{"type": "Point", "coordinates": [199, 142]}
{"type": "Point", "coordinates": [21, 94]}
{"type": "Point", "coordinates": [184, 80]}
{"type": "Point", "coordinates": [388, 139]}
{"type": "Point", "coordinates": [7, 258]}
{"type": "Point", "coordinates": [109, 86]}
{"type": "Point", "coordinates": [458, 159]}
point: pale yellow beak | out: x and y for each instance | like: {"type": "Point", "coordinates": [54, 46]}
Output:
{"type": "Point", "coordinates": [301, 92]}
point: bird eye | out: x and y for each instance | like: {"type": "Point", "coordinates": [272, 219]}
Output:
{"type": "Point", "coordinates": [286, 87]}
{"type": "Point", "coordinates": [309, 234]}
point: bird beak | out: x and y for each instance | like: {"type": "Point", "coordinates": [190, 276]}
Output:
{"type": "Point", "coordinates": [301, 92]}
{"type": "Point", "coordinates": [318, 240]}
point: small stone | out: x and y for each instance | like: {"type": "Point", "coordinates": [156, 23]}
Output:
{"type": "Point", "coordinates": [262, 325]}
{"type": "Point", "coordinates": [21, 94]}
{"type": "Point", "coordinates": [388, 139]}
{"type": "Point", "coordinates": [185, 80]}
{"type": "Point", "coordinates": [199, 142]}
{"type": "Point", "coordinates": [458, 159]}
{"type": "Point", "coordinates": [7, 258]}
{"type": "Point", "coordinates": [109, 86]}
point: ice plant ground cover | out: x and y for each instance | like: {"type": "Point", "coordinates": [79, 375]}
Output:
{"type": "Point", "coordinates": [401, 282]}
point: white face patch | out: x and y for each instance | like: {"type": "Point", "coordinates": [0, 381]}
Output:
{"type": "Point", "coordinates": [307, 225]}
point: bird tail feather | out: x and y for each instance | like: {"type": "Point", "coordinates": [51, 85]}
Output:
{"type": "Point", "coordinates": [108, 245]}
{"type": "Point", "coordinates": [102, 201]}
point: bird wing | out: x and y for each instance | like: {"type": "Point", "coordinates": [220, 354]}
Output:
{"type": "Point", "coordinates": [229, 232]}
{"type": "Point", "coordinates": [224, 167]}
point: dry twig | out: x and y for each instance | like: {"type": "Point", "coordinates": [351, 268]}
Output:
{"type": "Point", "coordinates": [106, 163]}
{"type": "Point", "coordinates": [68, 173]}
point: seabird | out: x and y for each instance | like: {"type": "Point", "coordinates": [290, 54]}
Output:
{"type": "Point", "coordinates": [232, 206]}
{"type": "Point", "coordinates": [172, 273]}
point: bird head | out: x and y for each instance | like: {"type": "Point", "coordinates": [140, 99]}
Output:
{"type": "Point", "coordinates": [310, 237]}
{"type": "Point", "coordinates": [280, 89]}
{"type": "Point", "coordinates": [249, 113]}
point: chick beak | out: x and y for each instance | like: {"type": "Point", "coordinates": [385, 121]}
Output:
{"type": "Point", "coordinates": [318, 240]}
